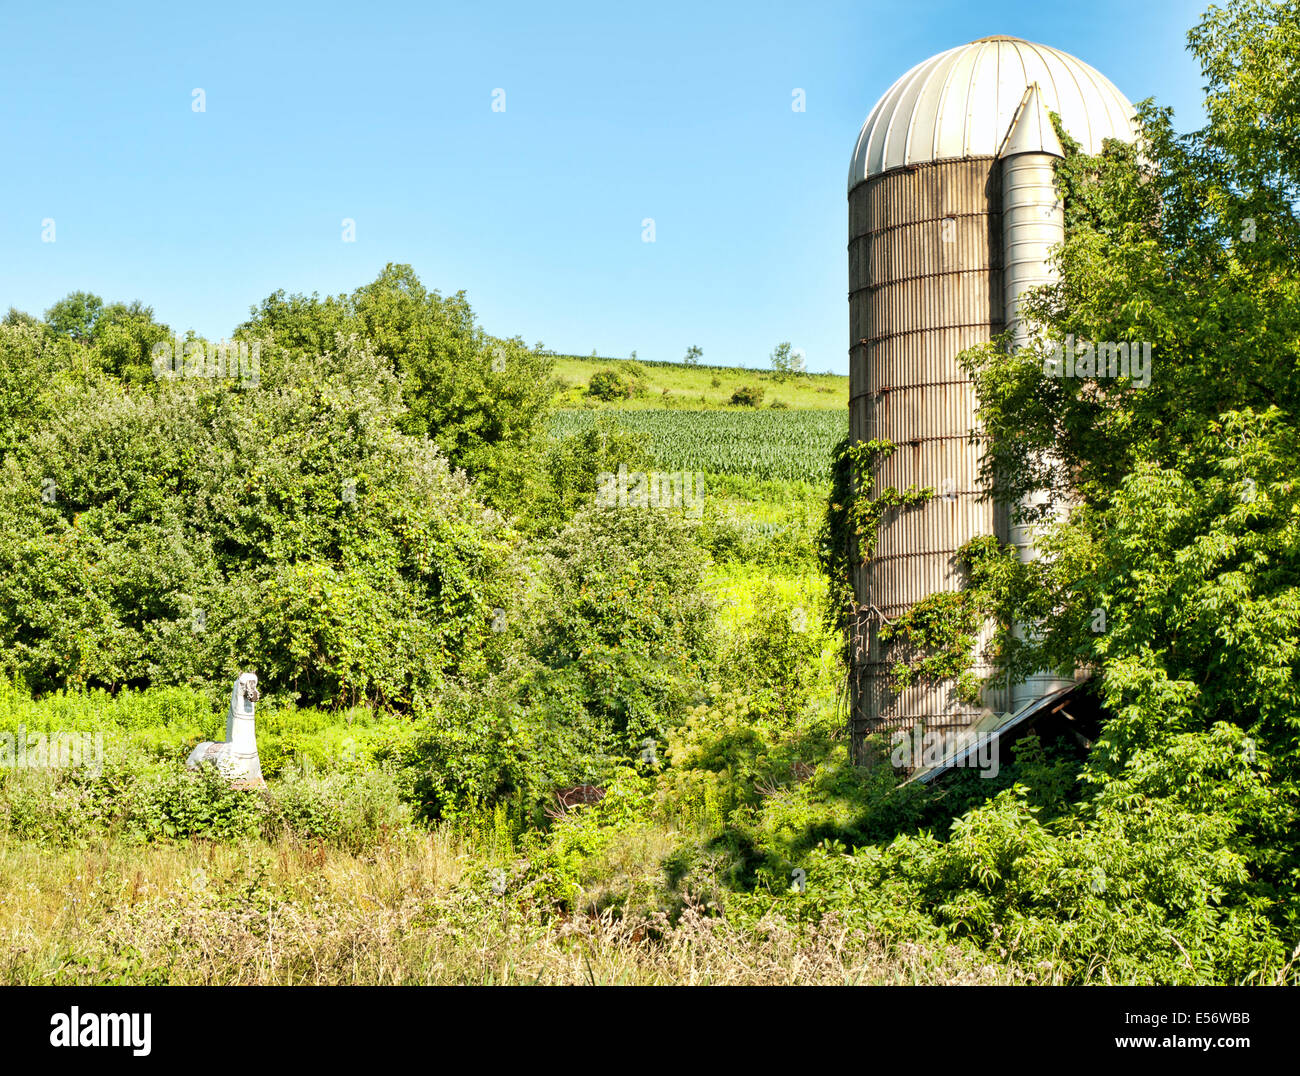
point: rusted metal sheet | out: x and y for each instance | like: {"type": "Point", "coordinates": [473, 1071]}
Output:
{"type": "Point", "coordinates": [925, 283]}
{"type": "Point", "coordinates": [952, 213]}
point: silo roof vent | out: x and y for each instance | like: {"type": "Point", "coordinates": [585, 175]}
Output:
{"type": "Point", "coordinates": [962, 103]}
{"type": "Point", "coordinates": [1031, 129]}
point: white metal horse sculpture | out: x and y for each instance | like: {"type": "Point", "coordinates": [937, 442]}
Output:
{"type": "Point", "coordinates": [236, 759]}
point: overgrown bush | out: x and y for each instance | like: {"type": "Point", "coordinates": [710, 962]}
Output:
{"type": "Point", "coordinates": [608, 385]}
{"type": "Point", "coordinates": [143, 799]}
{"type": "Point", "coordinates": [1133, 888]}
{"type": "Point", "coordinates": [354, 811]}
{"type": "Point", "coordinates": [182, 534]}
{"type": "Point", "coordinates": [624, 622]}
{"type": "Point", "coordinates": [571, 469]}
{"type": "Point", "coordinates": [483, 400]}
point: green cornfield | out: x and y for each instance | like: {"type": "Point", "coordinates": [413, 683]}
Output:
{"type": "Point", "coordinates": [776, 445]}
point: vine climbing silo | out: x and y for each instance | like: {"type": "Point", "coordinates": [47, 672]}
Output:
{"type": "Point", "coordinates": [952, 214]}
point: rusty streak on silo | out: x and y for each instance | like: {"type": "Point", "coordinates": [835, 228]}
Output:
{"type": "Point", "coordinates": [929, 277]}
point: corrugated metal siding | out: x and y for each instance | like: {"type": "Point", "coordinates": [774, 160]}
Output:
{"type": "Point", "coordinates": [1033, 222]}
{"type": "Point", "coordinates": [925, 282]}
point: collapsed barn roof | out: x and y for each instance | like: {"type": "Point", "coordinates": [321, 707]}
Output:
{"type": "Point", "coordinates": [1072, 710]}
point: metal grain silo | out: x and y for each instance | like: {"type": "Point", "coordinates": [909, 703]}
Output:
{"type": "Point", "coordinates": [952, 213]}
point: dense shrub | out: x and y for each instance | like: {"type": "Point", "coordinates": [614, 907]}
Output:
{"type": "Point", "coordinates": [508, 741]}
{"type": "Point", "coordinates": [607, 385]}
{"type": "Point", "coordinates": [1136, 888]}
{"type": "Point", "coordinates": [143, 799]}
{"type": "Point", "coordinates": [353, 811]}
{"type": "Point", "coordinates": [625, 622]}
{"type": "Point", "coordinates": [778, 651]}
{"type": "Point", "coordinates": [484, 401]}
{"type": "Point", "coordinates": [571, 468]}
{"type": "Point", "coordinates": [615, 640]}
{"type": "Point", "coordinates": [179, 535]}
{"type": "Point", "coordinates": [730, 535]}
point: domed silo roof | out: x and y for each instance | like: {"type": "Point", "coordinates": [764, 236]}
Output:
{"type": "Point", "coordinates": [961, 103]}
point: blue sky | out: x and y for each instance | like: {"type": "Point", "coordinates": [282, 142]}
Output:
{"type": "Point", "coordinates": [382, 113]}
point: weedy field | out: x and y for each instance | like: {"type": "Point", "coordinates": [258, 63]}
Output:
{"type": "Point", "coordinates": [361, 862]}
{"type": "Point", "coordinates": [417, 824]}
{"type": "Point", "coordinates": [309, 914]}
{"type": "Point", "coordinates": [513, 732]}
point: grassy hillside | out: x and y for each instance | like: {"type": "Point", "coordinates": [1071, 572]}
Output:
{"type": "Point", "coordinates": [658, 385]}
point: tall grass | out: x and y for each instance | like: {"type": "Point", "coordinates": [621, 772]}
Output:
{"type": "Point", "coordinates": [306, 913]}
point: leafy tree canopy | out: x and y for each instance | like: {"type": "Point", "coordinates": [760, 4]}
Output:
{"type": "Point", "coordinates": [484, 400]}
{"type": "Point", "coordinates": [1176, 574]}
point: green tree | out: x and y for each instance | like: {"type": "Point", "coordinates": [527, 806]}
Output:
{"type": "Point", "coordinates": [483, 400]}
{"type": "Point", "coordinates": [124, 335]}
{"type": "Point", "coordinates": [29, 358]}
{"type": "Point", "coordinates": [626, 625]}
{"type": "Point", "coordinates": [786, 361]}
{"type": "Point", "coordinates": [573, 466]}
{"type": "Point", "coordinates": [1176, 575]}
{"type": "Point", "coordinates": [608, 385]}
{"type": "Point", "coordinates": [120, 336]}
{"type": "Point", "coordinates": [179, 535]}
{"type": "Point", "coordinates": [75, 315]}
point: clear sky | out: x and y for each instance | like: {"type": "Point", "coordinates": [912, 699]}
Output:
{"type": "Point", "coordinates": [382, 113]}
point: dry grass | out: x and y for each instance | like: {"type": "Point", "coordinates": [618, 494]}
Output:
{"type": "Point", "coordinates": [293, 914]}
